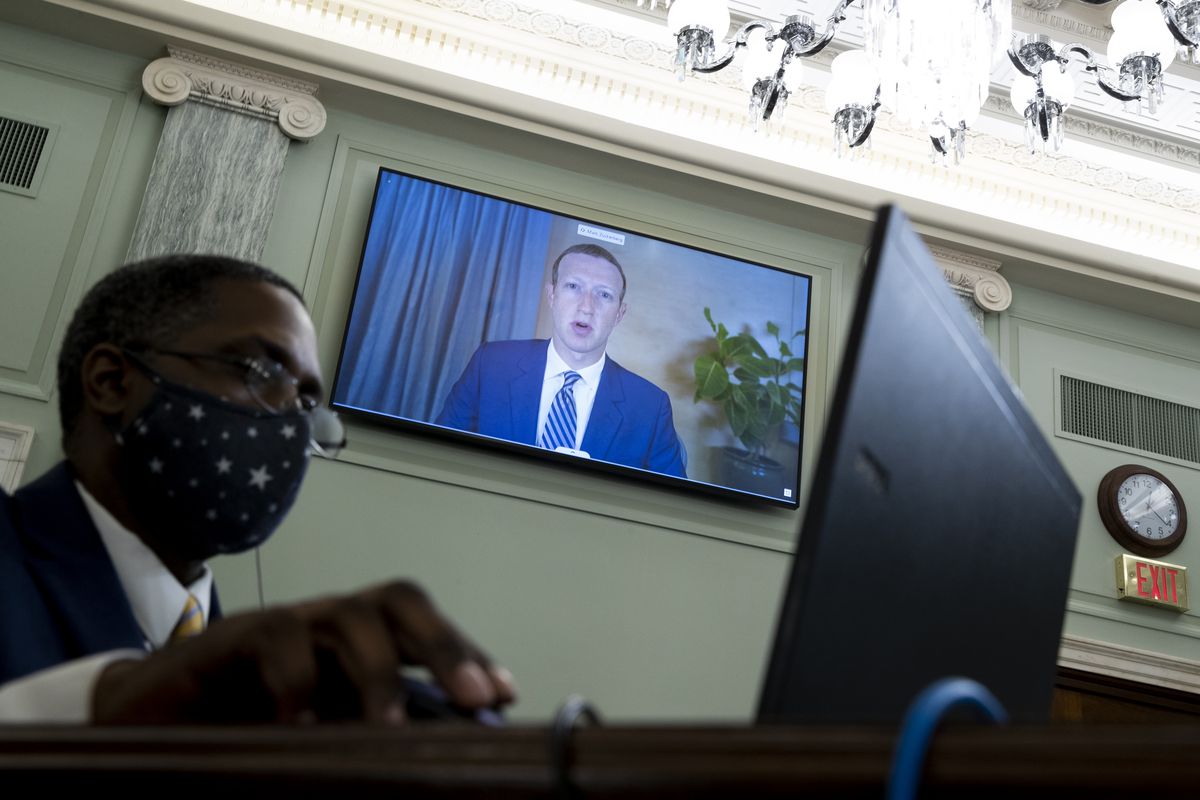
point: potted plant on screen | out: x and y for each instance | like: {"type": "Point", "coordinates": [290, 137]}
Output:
{"type": "Point", "coordinates": [758, 392]}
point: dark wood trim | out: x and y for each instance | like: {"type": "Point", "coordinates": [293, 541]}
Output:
{"type": "Point", "coordinates": [1081, 696]}
{"type": "Point", "coordinates": [1089, 762]}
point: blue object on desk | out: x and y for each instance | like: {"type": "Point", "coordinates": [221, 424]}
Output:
{"type": "Point", "coordinates": [921, 721]}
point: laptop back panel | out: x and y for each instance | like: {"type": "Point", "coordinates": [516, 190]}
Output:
{"type": "Point", "coordinates": [940, 530]}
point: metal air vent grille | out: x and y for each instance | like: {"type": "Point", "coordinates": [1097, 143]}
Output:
{"type": "Point", "coordinates": [1130, 420]}
{"type": "Point", "coordinates": [22, 145]}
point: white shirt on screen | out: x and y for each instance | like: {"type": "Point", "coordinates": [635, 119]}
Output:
{"type": "Point", "coordinates": [584, 391]}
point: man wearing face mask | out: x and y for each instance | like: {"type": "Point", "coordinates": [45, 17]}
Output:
{"type": "Point", "coordinates": [190, 398]}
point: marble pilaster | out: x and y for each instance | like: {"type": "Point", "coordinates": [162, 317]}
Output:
{"type": "Point", "coordinates": [215, 177]}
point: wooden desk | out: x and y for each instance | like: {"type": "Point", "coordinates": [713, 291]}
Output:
{"type": "Point", "coordinates": [611, 762]}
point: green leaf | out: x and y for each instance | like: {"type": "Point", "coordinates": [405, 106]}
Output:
{"type": "Point", "coordinates": [722, 333]}
{"type": "Point", "coordinates": [794, 364]}
{"type": "Point", "coordinates": [758, 367]}
{"type": "Point", "coordinates": [708, 316]}
{"type": "Point", "coordinates": [711, 378]}
{"type": "Point", "coordinates": [777, 414]}
{"type": "Point", "coordinates": [755, 434]}
{"type": "Point", "coordinates": [735, 348]}
{"type": "Point", "coordinates": [719, 397]}
{"type": "Point", "coordinates": [798, 333]}
{"type": "Point", "coordinates": [743, 375]}
{"type": "Point", "coordinates": [784, 350]}
{"type": "Point", "coordinates": [743, 396]}
{"type": "Point", "coordinates": [755, 347]}
{"type": "Point", "coordinates": [751, 393]}
{"type": "Point", "coordinates": [739, 418]}
{"type": "Point", "coordinates": [773, 329]}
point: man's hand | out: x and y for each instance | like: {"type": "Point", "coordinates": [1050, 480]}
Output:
{"type": "Point", "coordinates": [332, 659]}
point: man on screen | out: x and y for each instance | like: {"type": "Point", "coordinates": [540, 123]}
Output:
{"type": "Point", "coordinates": [567, 394]}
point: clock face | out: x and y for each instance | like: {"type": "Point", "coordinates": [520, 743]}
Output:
{"type": "Point", "coordinates": [1148, 507]}
{"type": "Point", "coordinates": [1142, 510]}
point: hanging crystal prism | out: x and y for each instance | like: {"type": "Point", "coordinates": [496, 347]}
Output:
{"type": "Point", "coordinates": [936, 61]}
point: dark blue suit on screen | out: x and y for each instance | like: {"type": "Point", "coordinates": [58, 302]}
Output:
{"type": "Point", "coordinates": [500, 391]}
{"type": "Point", "coordinates": [60, 597]}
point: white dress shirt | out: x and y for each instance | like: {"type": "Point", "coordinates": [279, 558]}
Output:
{"type": "Point", "coordinates": [63, 694]}
{"type": "Point", "coordinates": [584, 391]}
{"type": "Point", "coordinates": [156, 596]}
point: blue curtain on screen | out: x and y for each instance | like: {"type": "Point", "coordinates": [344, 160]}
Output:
{"type": "Point", "coordinates": [443, 271]}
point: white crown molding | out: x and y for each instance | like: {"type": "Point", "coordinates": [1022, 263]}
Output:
{"type": "Point", "coordinates": [594, 63]}
{"type": "Point", "coordinates": [1049, 17]}
{"type": "Point", "coordinates": [187, 75]}
{"type": "Point", "coordinates": [1160, 147]}
{"type": "Point", "coordinates": [1043, 5]}
{"type": "Point", "coordinates": [1093, 120]}
{"type": "Point", "coordinates": [601, 78]}
{"type": "Point", "coordinates": [641, 52]}
{"type": "Point", "coordinates": [1129, 663]}
{"type": "Point", "coordinates": [1081, 23]}
{"type": "Point", "coordinates": [974, 276]}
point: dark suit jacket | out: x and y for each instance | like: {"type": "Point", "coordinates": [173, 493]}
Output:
{"type": "Point", "coordinates": [60, 597]}
{"type": "Point", "coordinates": [501, 389]}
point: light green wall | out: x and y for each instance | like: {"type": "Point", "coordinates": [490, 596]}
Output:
{"type": "Point", "coordinates": [654, 603]}
{"type": "Point", "coordinates": [54, 246]}
{"type": "Point", "coordinates": [1046, 335]}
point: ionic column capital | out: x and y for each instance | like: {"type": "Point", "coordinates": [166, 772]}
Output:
{"type": "Point", "coordinates": [187, 75]}
{"type": "Point", "coordinates": [974, 276]}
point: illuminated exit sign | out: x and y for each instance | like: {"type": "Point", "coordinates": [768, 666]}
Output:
{"type": "Point", "coordinates": [1156, 583]}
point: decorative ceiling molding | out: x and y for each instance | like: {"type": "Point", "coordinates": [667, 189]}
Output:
{"type": "Point", "coordinates": [187, 75]}
{"type": "Point", "coordinates": [1127, 132]}
{"type": "Point", "coordinates": [1043, 5]}
{"type": "Point", "coordinates": [591, 75]}
{"type": "Point", "coordinates": [585, 63]}
{"type": "Point", "coordinates": [1052, 18]}
{"type": "Point", "coordinates": [1065, 168]}
{"type": "Point", "coordinates": [1134, 141]}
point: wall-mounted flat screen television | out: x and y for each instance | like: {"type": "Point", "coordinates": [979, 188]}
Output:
{"type": "Point", "coordinates": [574, 341]}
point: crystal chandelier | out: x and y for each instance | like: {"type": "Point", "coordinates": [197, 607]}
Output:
{"type": "Point", "coordinates": [930, 63]}
{"type": "Point", "coordinates": [927, 63]}
{"type": "Point", "coordinates": [1147, 37]}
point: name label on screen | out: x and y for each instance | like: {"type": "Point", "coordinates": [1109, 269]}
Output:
{"type": "Point", "coordinates": [599, 233]}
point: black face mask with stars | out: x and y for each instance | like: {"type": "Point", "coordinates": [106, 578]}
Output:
{"type": "Point", "coordinates": [204, 476]}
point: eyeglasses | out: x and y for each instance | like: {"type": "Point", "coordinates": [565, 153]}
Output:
{"type": "Point", "coordinates": [274, 388]}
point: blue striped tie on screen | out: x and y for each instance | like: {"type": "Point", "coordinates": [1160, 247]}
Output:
{"type": "Point", "coordinates": [560, 422]}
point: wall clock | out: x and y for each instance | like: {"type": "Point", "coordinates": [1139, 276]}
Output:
{"type": "Point", "coordinates": [1142, 510]}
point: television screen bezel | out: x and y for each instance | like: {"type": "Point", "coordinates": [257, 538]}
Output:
{"type": "Point", "coordinates": [434, 431]}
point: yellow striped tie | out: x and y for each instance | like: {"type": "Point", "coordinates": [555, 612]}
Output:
{"type": "Point", "coordinates": [191, 621]}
